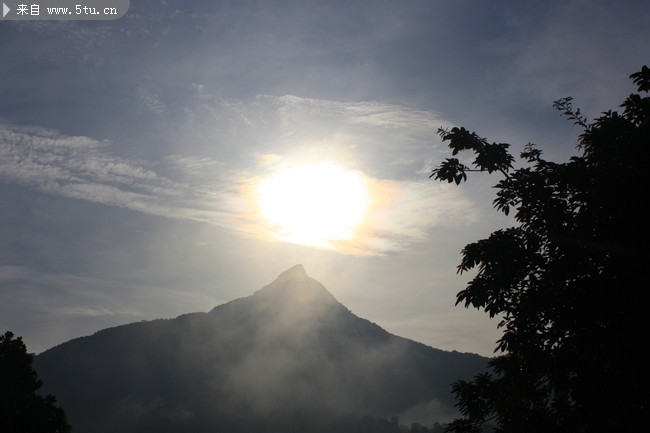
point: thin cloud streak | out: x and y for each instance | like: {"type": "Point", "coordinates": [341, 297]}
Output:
{"type": "Point", "coordinates": [83, 168]}
{"type": "Point", "coordinates": [218, 189]}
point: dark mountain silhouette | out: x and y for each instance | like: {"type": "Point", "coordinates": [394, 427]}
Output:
{"type": "Point", "coordinates": [288, 358]}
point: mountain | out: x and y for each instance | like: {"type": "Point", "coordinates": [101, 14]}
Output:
{"type": "Point", "coordinates": [288, 358]}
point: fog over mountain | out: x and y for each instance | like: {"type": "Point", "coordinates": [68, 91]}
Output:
{"type": "Point", "coordinates": [288, 358]}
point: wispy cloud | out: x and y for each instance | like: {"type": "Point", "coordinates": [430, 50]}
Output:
{"type": "Point", "coordinates": [230, 145]}
{"type": "Point", "coordinates": [84, 168]}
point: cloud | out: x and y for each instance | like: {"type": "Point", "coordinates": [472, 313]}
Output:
{"type": "Point", "coordinates": [226, 147]}
{"type": "Point", "coordinates": [84, 168]}
{"type": "Point", "coordinates": [428, 413]}
{"type": "Point", "coordinates": [90, 311]}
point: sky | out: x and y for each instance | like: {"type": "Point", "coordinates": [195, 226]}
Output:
{"type": "Point", "coordinates": [132, 152]}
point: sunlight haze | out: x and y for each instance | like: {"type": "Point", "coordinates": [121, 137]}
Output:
{"type": "Point", "coordinates": [313, 204]}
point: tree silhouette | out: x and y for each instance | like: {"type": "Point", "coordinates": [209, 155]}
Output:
{"type": "Point", "coordinates": [566, 281]}
{"type": "Point", "coordinates": [22, 410]}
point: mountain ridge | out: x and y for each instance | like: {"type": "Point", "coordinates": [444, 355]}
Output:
{"type": "Point", "coordinates": [289, 348]}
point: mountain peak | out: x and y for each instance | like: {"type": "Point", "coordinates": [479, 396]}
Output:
{"type": "Point", "coordinates": [295, 272]}
{"type": "Point", "coordinates": [288, 358]}
{"type": "Point", "coordinates": [294, 284]}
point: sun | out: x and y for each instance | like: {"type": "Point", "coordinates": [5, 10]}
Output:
{"type": "Point", "coordinates": [313, 204]}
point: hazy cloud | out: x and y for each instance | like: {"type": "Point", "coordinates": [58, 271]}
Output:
{"type": "Point", "coordinates": [232, 145]}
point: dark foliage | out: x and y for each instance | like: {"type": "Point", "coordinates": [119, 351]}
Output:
{"type": "Point", "coordinates": [22, 410]}
{"type": "Point", "coordinates": [567, 280]}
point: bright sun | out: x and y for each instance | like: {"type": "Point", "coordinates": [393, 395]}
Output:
{"type": "Point", "coordinates": [313, 204]}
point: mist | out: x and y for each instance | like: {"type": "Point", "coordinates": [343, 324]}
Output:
{"type": "Point", "coordinates": [288, 352]}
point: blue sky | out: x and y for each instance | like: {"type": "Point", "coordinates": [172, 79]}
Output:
{"type": "Point", "coordinates": [130, 149]}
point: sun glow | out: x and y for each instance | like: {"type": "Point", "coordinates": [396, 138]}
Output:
{"type": "Point", "coordinates": [313, 204]}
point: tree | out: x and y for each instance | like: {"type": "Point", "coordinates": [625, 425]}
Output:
{"type": "Point", "coordinates": [22, 410]}
{"type": "Point", "coordinates": [566, 281]}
